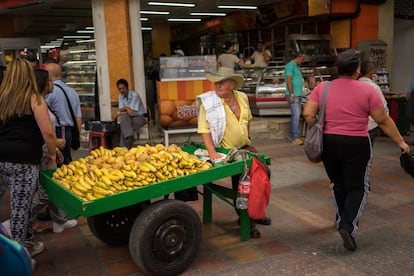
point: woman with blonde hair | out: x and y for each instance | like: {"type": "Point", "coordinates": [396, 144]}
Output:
{"type": "Point", "coordinates": [25, 126]}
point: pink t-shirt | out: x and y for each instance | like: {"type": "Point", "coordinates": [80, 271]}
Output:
{"type": "Point", "coordinates": [348, 104]}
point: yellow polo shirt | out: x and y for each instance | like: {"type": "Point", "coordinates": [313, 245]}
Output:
{"type": "Point", "coordinates": [236, 133]}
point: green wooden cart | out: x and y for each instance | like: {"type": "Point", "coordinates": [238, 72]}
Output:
{"type": "Point", "coordinates": [163, 234]}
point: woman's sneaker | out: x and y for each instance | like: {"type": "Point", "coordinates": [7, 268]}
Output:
{"type": "Point", "coordinates": [34, 248]}
{"type": "Point", "coordinates": [58, 228]}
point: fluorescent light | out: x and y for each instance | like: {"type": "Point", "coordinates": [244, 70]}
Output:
{"type": "Point", "coordinates": [207, 14]}
{"type": "Point", "coordinates": [90, 28]}
{"type": "Point", "coordinates": [184, 19]}
{"type": "Point", "coordinates": [146, 28]}
{"type": "Point", "coordinates": [171, 4]}
{"type": "Point", "coordinates": [85, 31]}
{"type": "Point", "coordinates": [76, 36]}
{"type": "Point", "coordinates": [155, 12]}
{"type": "Point", "coordinates": [144, 19]}
{"type": "Point", "coordinates": [237, 7]}
{"type": "Point", "coordinates": [85, 41]}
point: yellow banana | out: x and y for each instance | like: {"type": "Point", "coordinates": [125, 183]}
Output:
{"type": "Point", "coordinates": [148, 165]}
{"type": "Point", "coordinates": [94, 154]}
{"type": "Point", "coordinates": [144, 168]}
{"type": "Point", "coordinates": [102, 185]}
{"type": "Point", "coordinates": [84, 183]}
{"type": "Point", "coordinates": [97, 195]}
{"type": "Point", "coordinates": [77, 192]}
{"type": "Point", "coordinates": [117, 186]}
{"type": "Point", "coordinates": [64, 169]}
{"type": "Point", "coordinates": [154, 164]}
{"type": "Point", "coordinates": [71, 166]}
{"type": "Point", "coordinates": [70, 172]}
{"type": "Point", "coordinates": [90, 196]}
{"type": "Point", "coordinates": [65, 184]}
{"type": "Point", "coordinates": [102, 191]}
{"type": "Point", "coordinates": [80, 187]}
{"type": "Point", "coordinates": [118, 173]}
{"type": "Point", "coordinates": [60, 172]}
{"type": "Point", "coordinates": [106, 180]}
{"type": "Point", "coordinates": [97, 172]}
{"type": "Point", "coordinates": [159, 175]}
{"type": "Point", "coordinates": [79, 172]}
{"type": "Point", "coordinates": [88, 179]}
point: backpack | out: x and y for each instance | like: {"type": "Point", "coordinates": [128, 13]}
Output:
{"type": "Point", "coordinates": [14, 258]}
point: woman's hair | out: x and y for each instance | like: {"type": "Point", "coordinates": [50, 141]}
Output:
{"type": "Point", "coordinates": [348, 62]}
{"type": "Point", "coordinates": [42, 80]}
{"type": "Point", "coordinates": [17, 89]}
{"type": "Point", "coordinates": [228, 44]}
{"type": "Point", "coordinates": [366, 67]}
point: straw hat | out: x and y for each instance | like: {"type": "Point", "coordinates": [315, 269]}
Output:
{"type": "Point", "coordinates": [224, 73]}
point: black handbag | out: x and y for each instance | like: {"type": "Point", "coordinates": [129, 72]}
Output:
{"type": "Point", "coordinates": [75, 131]}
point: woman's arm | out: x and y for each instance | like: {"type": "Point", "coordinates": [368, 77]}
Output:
{"type": "Point", "coordinates": [385, 122]}
{"type": "Point", "coordinates": [42, 118]}
{"type": "Point", "coordinates": [309, 112]}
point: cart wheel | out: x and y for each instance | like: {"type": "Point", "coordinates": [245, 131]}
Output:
{"type": "Point", "coordinates": [113, 227]}
{"type": "Point", "coordinates": [165, 238]}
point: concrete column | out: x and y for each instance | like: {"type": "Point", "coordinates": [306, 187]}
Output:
{"type": "Point", "coordinates": [119, 50]}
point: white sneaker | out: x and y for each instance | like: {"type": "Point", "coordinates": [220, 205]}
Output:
{"type": "Point", "coordinates": [33, 263]}
{"type": "Point", "coordinates": [34, 248]}
{"type": "Point", "coordinates": [58, 228]}
{"type": "Point", "coordinates": [6, 225]}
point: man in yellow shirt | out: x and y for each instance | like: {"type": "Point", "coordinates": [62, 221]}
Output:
{"type": "Point", "coordinates": [223, 121]}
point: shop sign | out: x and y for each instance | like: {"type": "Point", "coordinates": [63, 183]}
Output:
{"type": "Point", "coordinates": [214, 23]}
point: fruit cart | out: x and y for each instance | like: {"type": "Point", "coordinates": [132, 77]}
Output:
{"type": "Point", "coordinates": [163, 234]}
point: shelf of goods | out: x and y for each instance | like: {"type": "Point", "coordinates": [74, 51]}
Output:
{"type": "Point", "coordinates": [123, 203]}
{"type": "Point", "coordinates": [382, 79]}
{"type": "Point", "coordinates": [79, 66]}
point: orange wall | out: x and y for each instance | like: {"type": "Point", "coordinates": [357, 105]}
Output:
{"type": "Point", "coordinates": [118, 44]}
{"type": "Point", "coordinates": [161, 37]}
{"type": "Point", "coordinates": [365, 26]}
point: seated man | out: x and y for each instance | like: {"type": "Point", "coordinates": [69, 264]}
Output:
{"type": "Point", "coordinates": [131, 112]}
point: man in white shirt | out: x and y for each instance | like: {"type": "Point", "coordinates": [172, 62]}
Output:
{"type": "Point", "coordinates": [132, 112]}
{"type": "Point", "coordinates": [261, 56]}
{"type": "Point", "coordinates": [367, 71]}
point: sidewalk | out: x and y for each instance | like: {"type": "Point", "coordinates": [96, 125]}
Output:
{"type": "Point", "coordinates": [302, 239]}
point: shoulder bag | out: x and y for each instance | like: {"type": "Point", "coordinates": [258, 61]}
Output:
{"type": "Point", "coordinates": [75, 133]}
{"type": "Point", "coordinates": [313, 144]}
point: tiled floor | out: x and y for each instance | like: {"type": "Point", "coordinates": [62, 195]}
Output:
{"type": "Point", "coordinates": [302, 239]}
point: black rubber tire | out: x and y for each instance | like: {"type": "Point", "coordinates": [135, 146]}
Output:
{"type": "Point", "coordinates": [165, 238]}
{"type": "Point", "coordinates": [114, 227]}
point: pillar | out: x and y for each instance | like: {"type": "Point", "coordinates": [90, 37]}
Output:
{"type": "Point", "coordinates": [119, 50]}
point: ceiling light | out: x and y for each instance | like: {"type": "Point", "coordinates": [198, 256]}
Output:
{"type": "Point", "coordinates": [76, 36]}
{"type": "Point", "coordinates": [155, 12]}
{"type": "Point", "coordinates": [171, 4]}
{"type": "Point", "coordinates": [184, 19]}
{"type": "Point", "coordinates": [85, 31]}
{"type": "Point", "coordinates": [146, 28]}
{"type": "Point", "coordinates": [90, 28]}
{"type": "Point", "coordinates": [207, 14]}
{"type": "Point", "coordinates": [144, 19]}
{"type": "Point", "coordinates": [237, 7]}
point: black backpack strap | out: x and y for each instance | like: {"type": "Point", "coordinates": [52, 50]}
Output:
{"type": "Point", "coordinates": [69, 105]}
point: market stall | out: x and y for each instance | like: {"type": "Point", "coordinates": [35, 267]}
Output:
{"type": "Point", "coordinates": [163, 235]}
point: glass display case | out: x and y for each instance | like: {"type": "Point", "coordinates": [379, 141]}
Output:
{"type": "Point", "coordinates": [186, 68]}
{"type": "Point", "coordinates": [266, 91]}
{"type": "Point", "coordinates": [79, 66]}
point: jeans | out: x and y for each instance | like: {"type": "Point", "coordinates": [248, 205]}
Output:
{"type": "Point", "coordinates": [295, 109]}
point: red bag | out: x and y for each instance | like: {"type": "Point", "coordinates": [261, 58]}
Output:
{"type": "Point", "coordinates": [259, 191]}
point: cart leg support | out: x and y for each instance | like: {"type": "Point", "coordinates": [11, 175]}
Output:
{"type": "Point", "coordinates": [224, 194]}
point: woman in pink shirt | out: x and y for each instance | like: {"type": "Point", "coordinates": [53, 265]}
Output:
{"type": "Point", "coordinates": [347, 148]}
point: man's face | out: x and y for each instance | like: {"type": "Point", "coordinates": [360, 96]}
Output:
{"type": "Point", "coordinates": [224, 87]}
{"type": "Point", "coordinates": [260, 46]}
{"type": "Point", "coordinates": [123, 89]}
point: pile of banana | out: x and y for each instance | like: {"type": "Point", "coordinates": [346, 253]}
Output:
{"type": "Point", "coordinates": [108, 171]}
